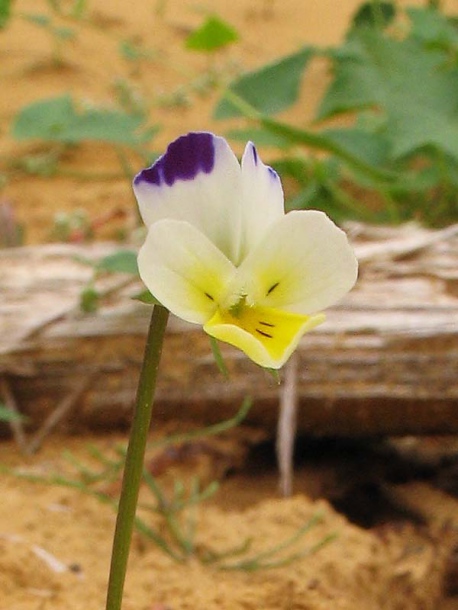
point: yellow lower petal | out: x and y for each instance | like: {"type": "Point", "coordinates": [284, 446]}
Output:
{"type": "Point", "coordinates": [267, 336]}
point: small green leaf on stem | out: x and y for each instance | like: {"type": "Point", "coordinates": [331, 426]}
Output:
{"type": "Point", "coordinates": [8, 415]}
{"type": "Point", "coordinates": [218, 357]}
{"type": "Point", "coordinates": [213, 34]}
{"type": "Point", "coordinates": [270, 89]}
{"type": "Point", "coordinates": [146, 297]}
{"type": "Point", "coordinates": [123, 261]}
{"type": "Point", "coordinates": [89, 299]}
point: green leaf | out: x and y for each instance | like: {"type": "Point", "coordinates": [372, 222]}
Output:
{"type": "Point", "coordinates": [6, 414]}
{"type": "Point", "coordinates": [146, 297]}
{"type": "Point", "coordinates": [89, 299]}
{"type": "Point", "coordinates": [270, 89]}
{"type": "Point", "coordinates": [108, 126]}
{"type": "Point", "coordinates": [38, 19]}
{"type": "Point", "coordinates": [371, 148]}
{"type": "Point", "coordinates": [79, 8]}
{"type": "Point", "coordinates": [354, 84]}
{"type": "Point", "coordinates": [47, 119]}
{"type": "Point", "coordinates": [261, 137]}
{"type": "Point", "coordinates": [56, 119]}
{"type": "Point", "coordinates": [217, 355]}
{"type": "Point", "coordinates": [411, 86]}
{"type": "Point", "coordinates": [124, 261]}
{"type": "Point", "coordinates": [374, 14]}
{"type": "Point", "coordinates": [213, 34]}
{"type": "Point", "coordinates": [132, 51]}
{"type": "Point", "coordinates": [5, 12]}
{"type": "Point", "coordinates": [353, 158]}
{"type": "Point", "coordinates": [433, 28]}
{"type": "Point", "coordinates": [64, 33]}
{"type": "Point", "coordinates": [297, 168]}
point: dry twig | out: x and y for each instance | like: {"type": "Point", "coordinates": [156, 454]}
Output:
{"type": "Point", "coordinates": [286, 429]}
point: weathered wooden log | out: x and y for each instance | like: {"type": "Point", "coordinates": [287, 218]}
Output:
{"type": "Point", "coordinates": [384, 362]}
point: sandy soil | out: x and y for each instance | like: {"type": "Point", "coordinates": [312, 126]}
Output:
{"type": "Point", "coordinates": [55, 542]}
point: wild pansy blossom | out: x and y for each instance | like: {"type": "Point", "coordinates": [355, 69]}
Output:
{"type": "Point", "coordinates": [221, 252]}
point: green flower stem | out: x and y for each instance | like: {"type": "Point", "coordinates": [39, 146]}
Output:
{"type": "Point", "coordinates": [133, 469]}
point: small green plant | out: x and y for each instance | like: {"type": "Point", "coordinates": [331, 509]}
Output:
{"type": "Point", "coordinates": [174, 510]}
{"type": "Point", "coordinates": [5, 12]}
{"type": "Point", "coordinates": [133, 51]}
{"type": "Point", "coordinates": [60, 119]}
{"type": "Point", "coordinates": [8, 415]}
{"type": "Point", "coordinates": [213, 34]}
{"type": "Point", "coordinates": [70, 227]}
{"type": "Point", "coordinates": [55, 22]}
{"type": "Point", "coordinates": [61, 123]}
{"type": "Point", "coordinates": [397, 87]}
{"type": "Point", "coordinates": [211, 37]}
{"type": "Point", "coordinates": [75, 8]}
{"type": "Point", "coordinates": [124, 262]}
{"type": "Point", "coordinates": [59, 34]}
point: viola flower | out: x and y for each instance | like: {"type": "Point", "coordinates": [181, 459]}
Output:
{"type": "Point", "coordinates": [221, 252]}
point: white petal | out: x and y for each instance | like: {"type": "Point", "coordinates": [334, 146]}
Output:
{"type": "Point", "coordinates": [304, 264]}
{"type": "Point", "coordinates": [262, 198]}
{"type": "Point", "coordinates": [183, 270]}
{"type": "Point", "coordinates": [197, 180]}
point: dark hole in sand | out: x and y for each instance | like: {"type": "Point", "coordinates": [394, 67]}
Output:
{"type": "Point", "coordinates": [355, 476]}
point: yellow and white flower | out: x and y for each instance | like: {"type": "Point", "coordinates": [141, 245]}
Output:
{"type": "Point", "coordinates": [221, 252]}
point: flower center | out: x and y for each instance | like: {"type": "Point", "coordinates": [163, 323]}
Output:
{"type": "Point", "coordinates": [252, 319]}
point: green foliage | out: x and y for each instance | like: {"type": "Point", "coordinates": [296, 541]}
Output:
{"type": "Point", "coordinates": [7, 415]}
{"type": "Point", "coordinates": [46, 22]}
{"type": "Point", "coordinates": [61, 123]}
{"type": "Point", "coordinates": [5, 12]}
{"type": "Point", "coordinates": [374, 14]}
{"type": "Point", "coordinates": [213, 34]}
{"type": "Point", "coordinates": [399, 100]}
{"type": "Point", "coordinates": [67, 225]}
{"type": "Point", "coordinates": [132, 51]}
{"type": "Point", "coordinates": [392, 100]}
{"type": "Point", "coordinates": [217, 355]}
{"type": "Point", "coordinates": [89, 299]}
{"type": "Point", "coordinates": [59, 12]}
{"type": "Point", "coordinates": [269, 90]}
{"type": "Point", "coordinates": [59, 120]}
{"type": "Point", "coordinates": [124, 261]}
{"type": "Point", "coordinates": [147, 298]}
{"type": "Point", "coordinates": [411, 86]}
{"type": "Point", "coordinates": [435, 30]}
{"type": "Point", "coordinates": [72, 8]}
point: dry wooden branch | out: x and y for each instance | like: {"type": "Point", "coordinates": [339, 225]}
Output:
{"type": "Point", "coordinates": [385, 361]}
{"type": "Point", "coordinates": [62, 410]}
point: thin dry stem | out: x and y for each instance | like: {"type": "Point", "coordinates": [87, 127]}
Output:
{"type": "Point", "coordinates": [64, 407]}
{"type": "Point", "coordinates": [286, 430]}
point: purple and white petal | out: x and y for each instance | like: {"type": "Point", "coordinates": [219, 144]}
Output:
{"type": "Point", "coordinates": [262, 198]}
{"type": "Point", "coordinates": [303, 264]}
{"type": "Point", "coordinates": [197, 180]}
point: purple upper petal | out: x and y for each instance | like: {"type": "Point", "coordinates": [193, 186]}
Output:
{"type": "Point", "coordinates": [185, 158]}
